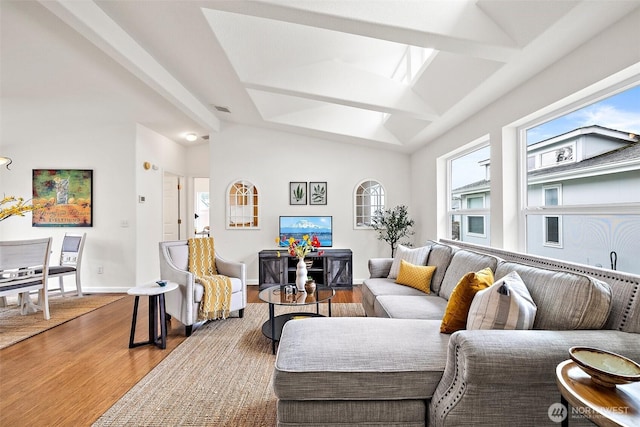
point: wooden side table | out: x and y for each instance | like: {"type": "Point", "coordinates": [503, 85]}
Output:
{"type": "Point", "coordinates": [157, 313]}
{"type": "Point", "coordinates": [605, 407]}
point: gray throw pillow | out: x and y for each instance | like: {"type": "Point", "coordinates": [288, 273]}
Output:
{"type": "Point", "coordinates": [417, 256]}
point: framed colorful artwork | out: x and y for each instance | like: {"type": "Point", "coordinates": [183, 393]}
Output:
{"type": "Point", "coordinates": [64, 197]}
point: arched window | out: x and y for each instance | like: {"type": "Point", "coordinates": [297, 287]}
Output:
{"type": "Point", "coordinates": [368, 199]}
{"type": "Point", "coordinates": [242, 205]}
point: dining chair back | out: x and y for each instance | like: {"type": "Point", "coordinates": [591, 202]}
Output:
{"type": "Point", "coordinates": [70, 260]}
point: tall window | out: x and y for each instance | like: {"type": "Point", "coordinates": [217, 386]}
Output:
{"type": "Point", "coordinates": [469, 194]}
{"type": "Point", "coordinates": [368, 199]}
{"type": "Point", "coordinates": [242, 205]}
{"type": "Point", "coordinates": [583, 172]}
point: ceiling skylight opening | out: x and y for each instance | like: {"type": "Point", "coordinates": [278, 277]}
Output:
{"type": "Point", "coordinates": [411, 64]}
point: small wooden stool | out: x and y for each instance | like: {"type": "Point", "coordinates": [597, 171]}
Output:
{"type": "Point", "coordinates": [155, 293]}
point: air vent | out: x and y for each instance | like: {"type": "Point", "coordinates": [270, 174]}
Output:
{"type": "Point", "coordinates": [222, 109]}
{"type": "Point", "coordinates": [205, 137]}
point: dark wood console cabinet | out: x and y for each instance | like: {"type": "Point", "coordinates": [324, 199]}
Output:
{"type": "Point", "coordinates": [333, 268]}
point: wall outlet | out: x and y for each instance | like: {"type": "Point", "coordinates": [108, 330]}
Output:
{"type": "Point", "coordinates": [100, 270]}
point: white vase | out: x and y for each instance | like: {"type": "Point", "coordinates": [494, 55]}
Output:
{"type": "Point", "coordinates": [301, 274]}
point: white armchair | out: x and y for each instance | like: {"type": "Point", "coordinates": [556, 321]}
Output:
{"type": "Point", "coordinates": [183, 303]}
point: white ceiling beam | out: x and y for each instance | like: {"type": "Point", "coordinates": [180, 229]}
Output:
{"type": "Point", "coordinates": [93, 23]}
{"type": "Point", "coordinates": [409, 36]}
{"type": "Point", "coordinates": [343, 84]}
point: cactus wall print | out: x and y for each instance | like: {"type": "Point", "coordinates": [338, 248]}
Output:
{"type": "Point", "coordinates": [297, 193]}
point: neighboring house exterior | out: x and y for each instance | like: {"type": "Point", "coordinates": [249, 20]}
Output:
{"type": "Point", "coordinates": [579, 167]}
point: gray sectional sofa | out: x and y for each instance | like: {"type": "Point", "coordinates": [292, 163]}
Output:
{"type": "Point", "coordinates": [395, 368]}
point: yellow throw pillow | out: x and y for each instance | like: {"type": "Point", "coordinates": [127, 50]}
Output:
{"type": "Point", "coordinates": [416, 276]}
{"type": "Point", "coordinates": [455, 315]}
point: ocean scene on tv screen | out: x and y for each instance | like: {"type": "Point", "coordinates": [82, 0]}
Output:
{"type": "Point", "coordinates": [298, 226]}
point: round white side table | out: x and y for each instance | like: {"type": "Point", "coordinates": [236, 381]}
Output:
{"type": "Point", "coordinates": [157, 313]}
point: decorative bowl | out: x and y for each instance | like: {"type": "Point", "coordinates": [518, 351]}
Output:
{"type": "Point", "coordinates": [162, 282]}
{"type": "Point", "coordinates": [605, 368]}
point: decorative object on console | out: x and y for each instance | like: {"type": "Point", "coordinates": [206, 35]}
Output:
{"type": "Point", "coordinates": [301, 274]}
{"type": "Point", "coordinates": [310, 286]}
{"type": "Point", "coordinates": [392, 225]}
{"type": "Point", "coordinates": [317, 193]}
{"type": "Point", "coordinates": [64, 197]}
{"type": "Point", "coordinates": [299, 249]}
{"type": "Point", "coordinates": [297, 193]}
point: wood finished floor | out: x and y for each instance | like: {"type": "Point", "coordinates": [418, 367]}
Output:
{"type": "Point", "coordinates": [71, 374]}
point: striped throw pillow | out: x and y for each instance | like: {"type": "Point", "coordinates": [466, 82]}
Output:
{"type": "Point", "coordinates": [506, 304]}
{"type": "Point", "coordinates": [417, 256]}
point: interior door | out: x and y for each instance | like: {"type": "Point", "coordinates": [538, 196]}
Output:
{"type": "Point", "coordinates": [171, 207]}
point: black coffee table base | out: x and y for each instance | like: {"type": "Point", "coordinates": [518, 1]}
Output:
{"type": "Point", "coordinates": [272, 328]}
{"type": "Point", "coordinates": [277, 295]}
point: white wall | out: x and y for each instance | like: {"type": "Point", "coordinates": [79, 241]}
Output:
{"type": "Point", "coordinates": [611, 52]}
{"type": "Point", "coordinates": [270, 160]}
{"type": "Point", "coordinates": [108, 245]}
{"type": "Point", "coordinates": [88, 124]}
{"type": "Point", "coordinates": [164, 155]}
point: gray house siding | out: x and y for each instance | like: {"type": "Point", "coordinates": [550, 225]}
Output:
{"type": "Point", "coordinates": [601, 168]}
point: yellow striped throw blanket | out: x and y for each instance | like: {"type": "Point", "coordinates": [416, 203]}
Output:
{"type": "Point", "coordinates": [217, 288]}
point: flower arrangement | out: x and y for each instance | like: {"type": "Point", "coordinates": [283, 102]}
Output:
{"type": "Point", "coordinates": [18, 208]}
{"type": "Point", "coordinates": [300, 248]}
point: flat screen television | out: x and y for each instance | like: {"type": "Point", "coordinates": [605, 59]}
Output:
{"type": "Point", "coordinates": [298, 226]}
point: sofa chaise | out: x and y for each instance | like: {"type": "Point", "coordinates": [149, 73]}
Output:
{"type": "Point", "coordinates": [395, 368]}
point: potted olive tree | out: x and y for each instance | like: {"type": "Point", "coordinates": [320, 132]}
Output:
{"type": "Point", "coordinates": [393, 225]}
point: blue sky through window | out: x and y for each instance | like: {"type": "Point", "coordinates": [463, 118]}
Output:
{"type": "Point", "coordinates": [619, 112]}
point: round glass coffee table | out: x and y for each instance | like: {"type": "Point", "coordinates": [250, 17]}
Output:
{"type": "Point", "coordinates": [276, 295]}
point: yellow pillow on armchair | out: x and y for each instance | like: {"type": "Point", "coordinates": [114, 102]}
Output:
{"type": "Point", "coordinates": [455, 315]}
{"type": "Point", "coordinates": [416, 276]}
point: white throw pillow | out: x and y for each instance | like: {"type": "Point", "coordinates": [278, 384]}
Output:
{"type": "Point", "coordinates": [506, 304]}
{"type": "Point", "coordinates": [417, 256]}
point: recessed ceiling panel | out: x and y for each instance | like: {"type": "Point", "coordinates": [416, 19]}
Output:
{"type": "Point", "coordinates": [255, 45]}
{"type": "Point", "coordinates": [462, 75]}
{"type": "Point", "coordinates": [322, 116]}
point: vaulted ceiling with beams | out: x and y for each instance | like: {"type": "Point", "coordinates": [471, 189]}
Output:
{"type": "Point", "coordinates": [392, 74]}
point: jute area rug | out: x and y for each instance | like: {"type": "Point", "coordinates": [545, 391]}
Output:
{"type": "Point", "coordinates": [15, 327]}
{"type": "Point", "coordinates": [220, 376]}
